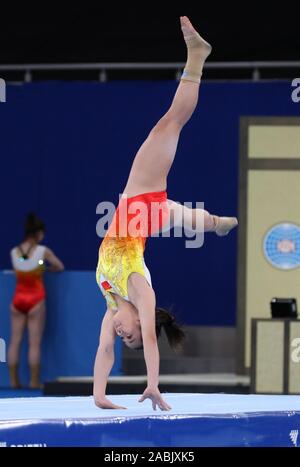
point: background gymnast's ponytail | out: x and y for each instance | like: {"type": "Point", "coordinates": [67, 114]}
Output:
{"type": "Point", "coordinates": [175, 334]}
{"type": "Point", "coordinates": [33, 225]}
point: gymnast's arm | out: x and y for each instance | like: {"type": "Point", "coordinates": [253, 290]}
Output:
{"type": "Point", "coordinates": [146, 309]}
{"type": "Point", "coordinates": [55, 263]}
{"type": "Point", "coordinates": [104, 362]}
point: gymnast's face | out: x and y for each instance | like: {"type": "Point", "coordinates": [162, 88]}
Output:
{"type": "Point", "coordinates": [127, 325]}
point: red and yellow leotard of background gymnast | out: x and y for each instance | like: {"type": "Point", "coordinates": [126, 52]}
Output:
{"type": "Point", "coordinates": [30, 289]}
{"type": "Point", "coordinates": [122, 249]}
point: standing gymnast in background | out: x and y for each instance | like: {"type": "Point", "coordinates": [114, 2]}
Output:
{"type": "Point", "coordinates": [122, 274]}
{"type": "Point", "coordinates": [28, 305]}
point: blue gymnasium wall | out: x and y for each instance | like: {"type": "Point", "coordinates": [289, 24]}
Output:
{"type": "Point", "coordinates": [74, 313]}
{"type": "Point", "coordinates": [67, 146]}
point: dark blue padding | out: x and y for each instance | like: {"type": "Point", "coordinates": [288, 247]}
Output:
{"type": "Point", "coordinates": [248, 430]}
{"type": "Point", "coordinates": [194, 420]}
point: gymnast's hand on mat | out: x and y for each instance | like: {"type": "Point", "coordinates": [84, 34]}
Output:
{"type": "Point", "coordinates": [105, 403]}
{"type": "Point", "coordinates": [155, 396]}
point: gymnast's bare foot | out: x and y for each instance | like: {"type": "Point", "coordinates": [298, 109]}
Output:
{"type": "Point", "coordinates": [224, 225]}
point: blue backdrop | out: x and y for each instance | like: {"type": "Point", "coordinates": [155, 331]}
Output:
{"type": "Point", "coordinates": [67, 146]}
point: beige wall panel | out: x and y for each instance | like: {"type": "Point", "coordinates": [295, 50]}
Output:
{"type": "Point", "coordinates": [294, 358]}
{"type": "Point", "coordinates": [270, 357]}
{"type": "Point", "coordinates": [274, 142]}
{"type": "Point", "coordinates": [273, 197]}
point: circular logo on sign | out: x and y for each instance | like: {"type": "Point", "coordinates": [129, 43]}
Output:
{"type": "Point", "coordinates": [282, 246]}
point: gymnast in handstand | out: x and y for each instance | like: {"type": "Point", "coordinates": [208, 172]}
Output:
{"type": "Point", "coordinates": [122, 274]}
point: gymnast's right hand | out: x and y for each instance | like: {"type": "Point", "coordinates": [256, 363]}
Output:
{"type": "Point", "coordinates": [104, 403]}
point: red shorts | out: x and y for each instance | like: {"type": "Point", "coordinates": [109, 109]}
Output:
{"type": "Point", "coordinates": [140, 216]}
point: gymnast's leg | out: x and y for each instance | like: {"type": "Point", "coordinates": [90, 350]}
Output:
{"type": "Point", "coordinates": [155, 157]}
{"type": "Point", "coordinates": [36, 324]}
{"type": "Point", "coordinates": [198, 220]}
{"type": "Point", "coordinates": [18, 323]}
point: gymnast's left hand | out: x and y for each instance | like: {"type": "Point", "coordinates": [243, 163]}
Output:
{"type": "Point", "coordinates": [155, 396]}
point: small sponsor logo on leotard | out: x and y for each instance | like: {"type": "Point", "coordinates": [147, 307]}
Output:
{"type": "Point", "coordinates": [106, 285]}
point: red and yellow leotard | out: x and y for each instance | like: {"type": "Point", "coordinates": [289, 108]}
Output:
{"type": "Point", "coordinates": [122, 249]}
{"type": "Point", "coordinates": [30, 289]}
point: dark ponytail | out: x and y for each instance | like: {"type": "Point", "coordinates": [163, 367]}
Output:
{"type": "Point", "coordinates": [175, 334]}
{"type": "Point", "coordinates": [33, 225]}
